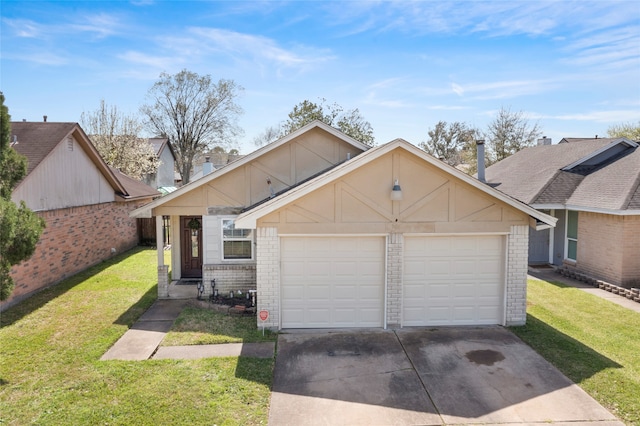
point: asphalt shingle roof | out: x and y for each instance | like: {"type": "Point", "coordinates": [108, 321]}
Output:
{"type": "Point", "coordinates": [535, 176]}
{"type": "Point", "coordinates": [37, 140]}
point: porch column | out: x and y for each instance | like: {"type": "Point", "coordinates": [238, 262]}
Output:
{"type": "Point", "coordinates": [159, 241]}
{"type": "Point", "coordinates": [163, 270]}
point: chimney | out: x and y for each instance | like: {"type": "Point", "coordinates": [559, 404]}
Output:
{"type": "Point", "coordinates": [14, 140]}
{"type": "Point", "coordinates": [45, 118]}
{"type": "Point", "coordinates": [207, 166]}
{"type": "Point", "coordinates": [544, 141]}
{"type": "Point", "coordinates": [480, 145]}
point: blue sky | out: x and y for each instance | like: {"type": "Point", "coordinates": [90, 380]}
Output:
{"type": "Point", "coordinates": [574, 67]}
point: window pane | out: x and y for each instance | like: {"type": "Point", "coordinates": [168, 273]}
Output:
{"type": "Point", "coordinates": [572, 249]}
{"type": "Point", "coordinates": [229, 230]}
{"type": "Point", "coordinates": [237, 249]}
{"type": "Point", "coordinates": [572, 225]}
{"type": "Point", "coordinates": [194, 243]}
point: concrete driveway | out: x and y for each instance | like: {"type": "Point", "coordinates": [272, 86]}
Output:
{"type": "Point", "coordinates": [422, 376]}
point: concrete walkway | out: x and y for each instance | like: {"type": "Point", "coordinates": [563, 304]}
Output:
{"type": "Point", "coordinates": [549, 274]}
{"type": "Point", "coordinates": [142, 340]}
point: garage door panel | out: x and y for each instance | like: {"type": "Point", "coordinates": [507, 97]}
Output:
{"type": "Point", "coordinates": [294, 294]}
{"type": "Point", "coordinates": [342, 286]}
{"type": "Point", "coordinates": [316, 294]}
{"type": "Point", "coordinates": [456, 280]}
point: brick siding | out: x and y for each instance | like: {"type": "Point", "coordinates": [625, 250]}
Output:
{"type": "Point", "coordinates": [229, 277]}
{"type": "Point", "coordinates": [517, 256]}
{"type": "Point", "coordinates": [74, 239]}
{"type": "Point", "coordinates": [395, 261]}
{"type": "Point", "coordinates": [608, 246]}
{"type": "Point", "coordinates": [631, 252]}
{"type": "Point", "coordinates": [268, 275]}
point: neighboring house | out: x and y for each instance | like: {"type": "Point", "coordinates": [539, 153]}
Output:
{"type": "Point", "coordinates": [333, 233]}
{"type": "Point", "coordinates": [592, 186]}
{"type": "Point", "coordinates": [85, 204]}
{"type": "Point", "coordinates": [212, 161]}
{"type": "Point", "coordinates": [165, 176]}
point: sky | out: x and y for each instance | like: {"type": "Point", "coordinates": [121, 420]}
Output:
{"type": "Point", "coordinates": [573, 67]}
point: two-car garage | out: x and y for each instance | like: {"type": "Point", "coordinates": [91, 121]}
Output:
{"type": "Point", "coordinates": [334, 282]}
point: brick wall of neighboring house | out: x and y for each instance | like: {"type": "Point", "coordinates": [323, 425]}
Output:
{"type": "Point", "coordinates": [631, 252]}
{"type": "Point", "coordinates": [608, 247]}
{"type": "Point", "coordinates": [74, 239]}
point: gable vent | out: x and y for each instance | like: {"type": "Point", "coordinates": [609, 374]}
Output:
{"type": "Point", "coordinates": [69, 144]}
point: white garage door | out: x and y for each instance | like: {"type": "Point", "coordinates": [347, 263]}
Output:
{"type": "Point", "coordinates": [453, 280]}
{"type": "Point", "coordinates": [329, 282]}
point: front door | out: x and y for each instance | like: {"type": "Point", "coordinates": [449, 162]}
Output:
{"type": "Point", "coordinates": [191, 246]}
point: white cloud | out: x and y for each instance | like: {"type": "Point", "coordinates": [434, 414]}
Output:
{"type": "Point", "coordinates": [457, 89]}
{"type": "Point", "coordinates": [613, 116]}
{"type": "Point", "coordinates": [24, 27]}
{"type": "Point", "coordinates": [446, 107]}
{"type": "Point", "coordinates": [41, 58]}
{"type": "Point", "coordinates": [503, 89]}
{"type": "Point", "coordinates": [157, 62]}
{"type": "Point", "coordinates": [259, 49]}
{"type": "Point", "coordinates": [101, 24]}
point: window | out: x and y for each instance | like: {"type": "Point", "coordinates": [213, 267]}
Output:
{"type": "Point", "coordinates": [572, 235]}
{"type": "Point", "coordinates": [236, 243]}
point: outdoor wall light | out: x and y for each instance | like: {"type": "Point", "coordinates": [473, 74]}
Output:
{"type": "Point", "coordinates": [396, 192]}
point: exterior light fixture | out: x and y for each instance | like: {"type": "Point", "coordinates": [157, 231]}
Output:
{"type": "Point", "coordinates": [396, 192]}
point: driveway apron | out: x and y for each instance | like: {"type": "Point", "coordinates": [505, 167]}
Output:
{"type": "Point", "coordinates": [422, 376]}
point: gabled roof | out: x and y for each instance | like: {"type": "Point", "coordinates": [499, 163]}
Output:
{"type": "Point", "coordinates": [145, 210]}
{"type": "Point", "coordinates": [249, 218]}
{"type": "Point", "coordinates": [134, 189]}
{"type": "Point", "coordinates": [37, 140]}
{"type": "Point", "coordinates": [580, 174]}
{"type": "Point", "coordinates": [159, 143]}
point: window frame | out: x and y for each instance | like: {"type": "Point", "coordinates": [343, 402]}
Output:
{"type": "Point", "coordinates": [571, 239]}
{"type": "Point", "coordinates": [224, 239]}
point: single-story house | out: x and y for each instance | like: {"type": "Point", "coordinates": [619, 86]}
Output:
{"type": "Point", "coordinates": [333, 233]}
{"type": "Point", "coordinates": [592, 186]}
{"type": "Point", "coordinates": [83, 201]}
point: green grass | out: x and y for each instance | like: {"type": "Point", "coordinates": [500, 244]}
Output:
{"type": "Point", "coordinates": [203, 326]}
{"type": "Point", "coordinates": [592, 341]}
{"type": "Point", "coordinates": [50, 373]}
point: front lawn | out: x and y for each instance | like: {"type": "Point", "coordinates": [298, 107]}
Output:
{"type": "Point", "coordinates": [592, 341]}
{"type": "Point", "coordinates": [50, 373]}
{"type": "Point", "coordinates": [203, 326]}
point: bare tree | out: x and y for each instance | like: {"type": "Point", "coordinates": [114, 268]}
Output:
{"type": "Point", "coordinates": [194, 113]}
{"type": "Point", "coordinates": [446, 141]}
{"type": "Point", "coordinates": [510, 132]}
{"type": "Point", "coordinates": [268, 135]}
{"type": "Point", "coordinates": [116, 137]}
